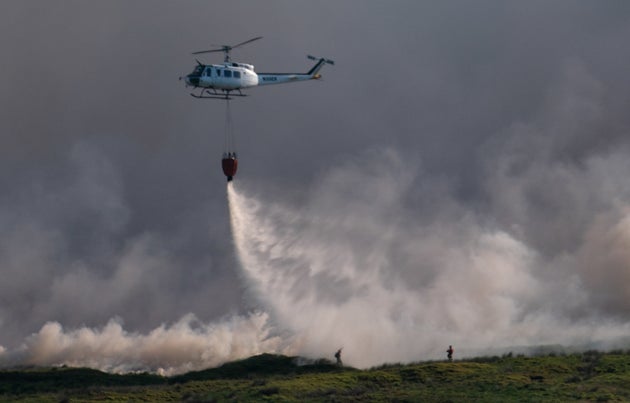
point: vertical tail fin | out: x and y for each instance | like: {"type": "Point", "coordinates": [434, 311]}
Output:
{"type": "Point", "coordinates": [318, 66]}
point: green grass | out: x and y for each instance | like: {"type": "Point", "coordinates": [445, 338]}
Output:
{"type": "Point", "coordinates": [586, 377]}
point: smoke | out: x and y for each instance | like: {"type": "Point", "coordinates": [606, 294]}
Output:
{"type": "Point", "coordinates": [184, 346]}
{"type": "Point", "coordinates": [498, 217]}
{"type": "Point", "coordinates": [358, 266]}
{"type": "Point", "coordinates": [70, 262]}
{"type": "Point", "coordinates": [387, 262]}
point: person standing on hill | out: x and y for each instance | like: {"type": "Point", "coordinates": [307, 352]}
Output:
{"type": "Point", "coordinates": [449, 353]}
{"type": "Point", "coordinates": [338, 357]}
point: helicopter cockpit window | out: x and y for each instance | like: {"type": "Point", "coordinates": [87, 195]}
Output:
{"type": "Point", "coordinates": [198, 70]}
{"type": "Point", "coordinates": [228, 73]}
{"type": "Point", "coordinates": [237, 74]}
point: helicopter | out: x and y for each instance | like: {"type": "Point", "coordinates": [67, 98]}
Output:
{"type": "Point", "coordinates": [221, 81]}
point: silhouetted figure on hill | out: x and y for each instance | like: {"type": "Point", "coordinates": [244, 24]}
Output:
{"type": "Point", "coordinates": [338, 357]}
{"type": "Point", "coordinates": [449, 353]}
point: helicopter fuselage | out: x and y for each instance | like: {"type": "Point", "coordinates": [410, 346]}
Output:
{"type": "Point", "coordinates": [231, 76]}
{"type": "Point", "coordinates": [227, 76]}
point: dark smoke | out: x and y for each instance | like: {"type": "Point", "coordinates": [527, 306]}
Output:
{"type": "Point", "coordinates": [458, 177]}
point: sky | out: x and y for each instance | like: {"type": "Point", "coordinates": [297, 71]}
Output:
{"type": "Point", "coordinates": [459, 176]}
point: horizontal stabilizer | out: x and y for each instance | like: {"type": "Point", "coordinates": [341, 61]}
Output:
{"type": "Point", "coordinates": [311, 57]}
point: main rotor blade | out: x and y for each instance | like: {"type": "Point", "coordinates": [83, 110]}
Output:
{"type": "Point", "coordinates": [227, 48]}
{"type": "Point", "coordinates": [207, 51]}
{"type": "Point", "coordinates": [251, 40]}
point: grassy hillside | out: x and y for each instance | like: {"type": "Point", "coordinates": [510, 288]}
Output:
{"type": "Point", "coordinates": [590, 376]}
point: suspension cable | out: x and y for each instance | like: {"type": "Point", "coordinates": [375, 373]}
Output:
{"type": "Point", "coordinates": [230, 138]}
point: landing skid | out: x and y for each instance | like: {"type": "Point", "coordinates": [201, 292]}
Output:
{"type": "Point", "coordinates": [215, 95]}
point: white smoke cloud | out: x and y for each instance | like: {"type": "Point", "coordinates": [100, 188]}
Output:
{"type": "Point", "coordinates": [368, 264]}
{"type": "Point", "coordinates": [78, 266]}
{"type": "Point", "coordinates": [167, 350]}
{"type": "Point", "coordinates": [355, 268]}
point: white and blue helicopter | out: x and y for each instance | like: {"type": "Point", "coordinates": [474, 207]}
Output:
{"type": "Point", "coordinates": [220, 81]}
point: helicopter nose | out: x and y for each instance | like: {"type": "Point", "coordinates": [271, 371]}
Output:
{"type": "Point", "coordinates": [190, 80]}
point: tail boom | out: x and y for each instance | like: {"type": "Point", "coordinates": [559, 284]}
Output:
{"type": "Point", "coordinates": [281, 78]}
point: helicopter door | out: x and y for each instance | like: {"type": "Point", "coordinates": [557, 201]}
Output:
{"type": "Point", "coordinates": [207, 75]}
{"type": "Point", "coordinates": [231, 82]}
